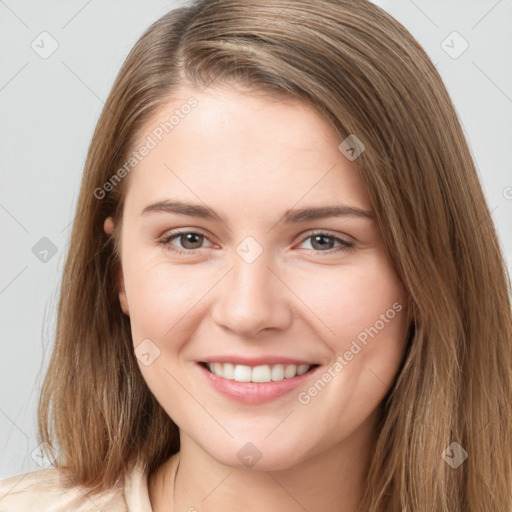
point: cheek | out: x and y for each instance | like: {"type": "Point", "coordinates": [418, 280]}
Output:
{"type": "Point", "coordinates": [159, 296]}
{"type": "Point", "coordinates": [366, 309]}
{"type": "Point", "coordinates": [161, 299]}
{"type": "Point", "coordinates": [355, 302]}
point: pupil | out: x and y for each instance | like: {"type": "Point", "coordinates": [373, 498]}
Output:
{"type": "Point", "coordinates": [189, 238]}
{"type": "Point", "coordinates": [321, 237]}
{"type": "Point", "coordinates": [318, 239]}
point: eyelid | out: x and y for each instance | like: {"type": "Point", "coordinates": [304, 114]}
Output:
{"type": "Point", "coordinates": [174, 234]}
{"type": "Point", "coordinates": [345, 244]}
{"type": "Point", "coordinates": [327, 232]}
{"type": "Point", "coordinates": [303, 236]}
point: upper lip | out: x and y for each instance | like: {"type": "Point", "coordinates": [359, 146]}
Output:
{"type": "Point", "coordinates": [255, 361]}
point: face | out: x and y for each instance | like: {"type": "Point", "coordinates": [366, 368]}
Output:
{"type": "Point", "coordinates": [301, 315]}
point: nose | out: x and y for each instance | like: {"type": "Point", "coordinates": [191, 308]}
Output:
{"type": "Point", "coordinates": [251, 298]}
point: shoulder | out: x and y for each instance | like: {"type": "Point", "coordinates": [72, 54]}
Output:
{"type": "Point", "coordinates": [46, 490]}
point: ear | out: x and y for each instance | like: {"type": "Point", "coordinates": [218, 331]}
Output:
{"type": "Point", "coordinates": [108, 227]}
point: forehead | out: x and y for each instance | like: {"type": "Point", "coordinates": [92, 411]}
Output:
{"type": "Point", "coordinates": [224, 142]}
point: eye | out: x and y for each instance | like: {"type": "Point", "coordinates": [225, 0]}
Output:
{"type": "Point", "coordinates": [324, 243]}
{"type": "Point", "coordinates": [191, 241]}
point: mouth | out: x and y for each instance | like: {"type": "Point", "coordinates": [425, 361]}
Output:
{"type": "Point", "coordinates": [258, 374]}
{"type": "Point", "coordinates": [255, 384]}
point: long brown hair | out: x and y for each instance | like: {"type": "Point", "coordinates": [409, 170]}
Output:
{"type": "Point", "coordinates": [366, 75]}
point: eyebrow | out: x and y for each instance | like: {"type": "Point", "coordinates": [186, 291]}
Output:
{"type": "Point", "coordinates": [290, 216]}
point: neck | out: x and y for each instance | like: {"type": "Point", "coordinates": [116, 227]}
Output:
{"type": "Point", "coordinates": [331, 481]}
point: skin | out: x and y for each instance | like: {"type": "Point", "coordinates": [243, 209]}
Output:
{"type": "Point", "coordinates": [251, 158]}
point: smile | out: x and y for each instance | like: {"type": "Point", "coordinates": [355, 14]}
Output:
{"type": "Point", "coordinates": [255, 384]}
{"type": "Point", "coordinates": [261, 373]}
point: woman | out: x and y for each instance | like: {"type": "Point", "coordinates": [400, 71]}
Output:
{"type": "Point", "coordinates": [369, 369]}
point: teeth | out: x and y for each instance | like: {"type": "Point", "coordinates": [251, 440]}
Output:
{"type": "Point", "coordinates": [277, 372]}
{"type": "Point", "coordinates": [263, 373]}
{"type": "Point", "coordinates": [303, 368]}
{"type": "Point", "coordinates": [227, 370]}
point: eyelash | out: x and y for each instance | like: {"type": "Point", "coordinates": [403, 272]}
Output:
{"type": "Point", "coordinates": [166, 242]}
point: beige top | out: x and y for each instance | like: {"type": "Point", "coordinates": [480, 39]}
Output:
{"type": "Point", "coordinates": [43, 490]}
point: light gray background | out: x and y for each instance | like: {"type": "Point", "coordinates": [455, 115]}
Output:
{"type": "Point", "coordinates": [49, 108]}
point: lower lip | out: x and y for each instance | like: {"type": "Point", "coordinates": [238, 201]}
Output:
{"type": "Point", "coordinates": [254, 392]}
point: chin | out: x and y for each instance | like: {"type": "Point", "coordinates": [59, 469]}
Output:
{"type": "Point", "coordinates": [254, 456]}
